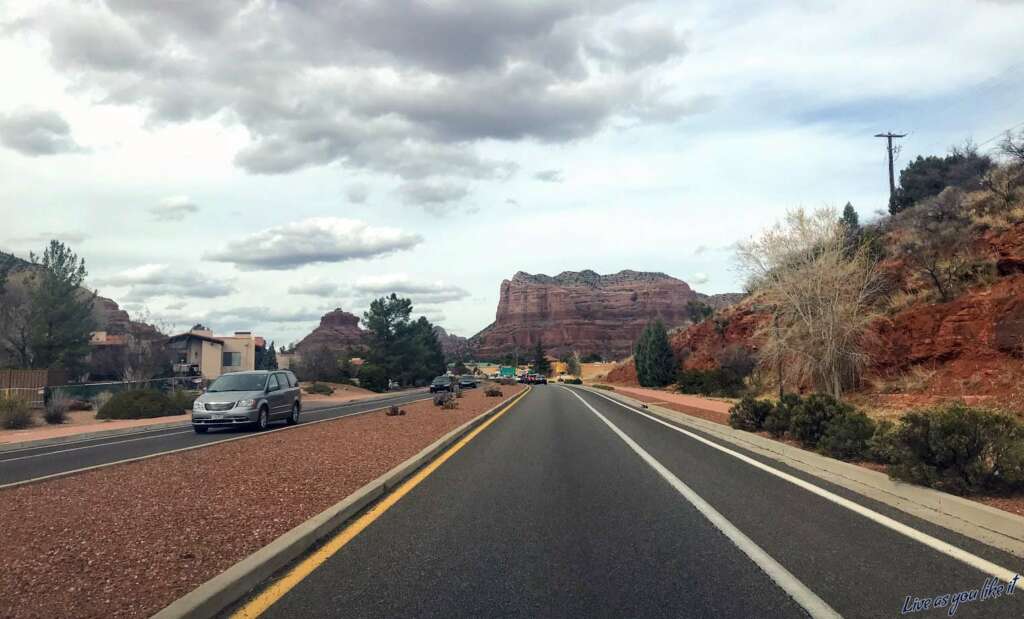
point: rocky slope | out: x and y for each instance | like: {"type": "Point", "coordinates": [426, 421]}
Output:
{"type": "Point", "coordinates": [582, 311]}
{"type": "Point", "coordinates": [338, 331]}
{"type": "Point", "coordinates": [454, 346]}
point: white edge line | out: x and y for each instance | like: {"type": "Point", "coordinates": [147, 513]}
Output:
{"type": "Point", "coordinates": [983, 565]}
{"type": "Point", "coordinates": [789, 583]}
{"type": "Point", "coordinates": [190, 448]}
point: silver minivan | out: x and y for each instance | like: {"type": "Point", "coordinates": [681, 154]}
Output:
{"type": "Point", "coordinates": [252, 399]}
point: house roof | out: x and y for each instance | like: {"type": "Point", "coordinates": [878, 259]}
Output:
{"type": "Point", "coordinates": [198, 336]}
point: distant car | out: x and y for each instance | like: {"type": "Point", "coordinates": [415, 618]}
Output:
{"type": "Point", "coordinates": [524, 378]}
{"type": "Point", "coordinates": [467, 382]}
{"type": "Point", "coordinates": [540, 380]}
{"type": "Point", "coordinates": [442, 383]}
{"type": "Point", "coordinates": [252, 399]}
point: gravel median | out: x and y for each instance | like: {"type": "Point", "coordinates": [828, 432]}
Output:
{"type": "Point", "coordinates": [126, 540]}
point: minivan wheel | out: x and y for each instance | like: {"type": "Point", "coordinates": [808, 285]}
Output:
{"type": "Point", "coordinates": [263, 420]}
{"type": "Point", "coordinates": [294, 417]}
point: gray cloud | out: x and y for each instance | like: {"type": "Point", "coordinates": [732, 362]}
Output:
{"type": "Point", "coordinates": [161, 280]}
{"type": "Point", "coordinates": [315, 288]}
{"type": "Point", "coordinates": [175, 208]}
{"type": "Point", "coordinates": [311, 241]}
{"type": "Point", "coordinates": [435, 197]}
{"type": "Point", "coordinates": [550, 176]}
{"type": "Point", "coordinates": [421, 292]}
{"type": "Point", "coordinates": [699, 278]}
{"type": "Point", "coordinates": [406, 88]}
{"type": "Point", "coordinates": [357, 193]}
{"type": "Point", "coordinates": [37, 132]}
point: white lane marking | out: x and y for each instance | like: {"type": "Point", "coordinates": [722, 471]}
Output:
{"type": "Point", "coordinates": [789, 583]}
{"type": "Point", "coordinates": [982, 565]}
{"type": "Point", "coordinates": [63, 451]}
{"type": "Point", "coordinates": [187, 431]}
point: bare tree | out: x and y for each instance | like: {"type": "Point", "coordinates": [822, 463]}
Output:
{"type": "Point", "coordinates": [935, 243]}
{"type": "Point", "coordinates": [824, 297]}
{"type": "Point", "coordinates": [145, 353]}
{"type": "Point", "coordinates": [15, 326]}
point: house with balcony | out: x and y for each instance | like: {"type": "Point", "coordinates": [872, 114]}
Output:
{"type": "Point", "coordinates": [201, 353]}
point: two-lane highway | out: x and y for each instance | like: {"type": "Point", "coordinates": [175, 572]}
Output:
{"type": "Point", "coordinates": [26, 463]}
{"type": "Point", "coordinates": [571, 504]}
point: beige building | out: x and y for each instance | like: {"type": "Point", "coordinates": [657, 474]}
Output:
{"type": "Point", "coordinates": [201, 353]}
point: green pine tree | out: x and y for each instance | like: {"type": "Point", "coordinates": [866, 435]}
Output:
{"type": "Point", "coordinates": [655, 362]}
{"type": "Point", "coordinates": [62, 322]}
{"type": "Point", "coordinates": [541, 365]}
{"type": "Point", "coordinates": [270, 357]}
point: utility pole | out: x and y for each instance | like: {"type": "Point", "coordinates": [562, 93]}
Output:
{"type": "Point", "coordinates": [892, 176]}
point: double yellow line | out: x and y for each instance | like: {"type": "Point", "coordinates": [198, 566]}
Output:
{"type": "Point", "coordinates": [269, 596]}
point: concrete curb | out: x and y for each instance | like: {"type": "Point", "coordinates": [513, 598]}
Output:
{"type": "Point", "coordinates": [988, 525]}
{"type": "Point", "coordinates": [83, 437]}
{"type": "Point", "coordinates": [233, 584]}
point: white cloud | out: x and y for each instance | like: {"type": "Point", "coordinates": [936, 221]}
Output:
{"type": "Point", "coordinates": [162, 280]}
{"type": "Point", "coordinates": [175, 208]}
{"type": "Point", "coordinates": [311, 241]}
{"type": "Point", "coordinates": [422, 292]}
{"type": "Point", "coordinates": [316, 288]}
{"type": "Point", "coordinates": [37, 133]}
{"type": "Point", "coordinates": [699, 278]}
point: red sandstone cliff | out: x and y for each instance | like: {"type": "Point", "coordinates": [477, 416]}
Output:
{"type": "Point", "coordinates": [582, 311]}
{"type": "Point", "coordinates": [339, 331]}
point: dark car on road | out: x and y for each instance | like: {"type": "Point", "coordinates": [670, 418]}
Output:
{"type": "Point", "coordinates": [442, 383]}
{"type": "Point", "coordinates": [467, 382]}
{"type": "Point", "coordinates": [249, 399]}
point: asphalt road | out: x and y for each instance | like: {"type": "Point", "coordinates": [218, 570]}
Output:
{"type": "Point", "coordinates": [573, 506]}
{"type": "Point", "coordinates": [31, 462]}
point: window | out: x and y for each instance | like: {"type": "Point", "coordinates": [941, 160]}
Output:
{"type": "Point", "coordinates": [272, 384]}
{"type": "Point", "coordinates": [292, 381]}
{"type": "Point", "coordinates": [232, 359]}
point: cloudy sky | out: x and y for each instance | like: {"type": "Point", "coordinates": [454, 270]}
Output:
{"type": "Point", "coordinates": [251, 164]}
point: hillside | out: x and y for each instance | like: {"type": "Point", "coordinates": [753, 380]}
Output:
{"type": "Point", "coordinates": [920, 346]}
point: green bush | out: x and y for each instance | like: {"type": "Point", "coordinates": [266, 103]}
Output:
{"type": "Point", "coordinates": [723, 383]}
{"type": "Point", "coordinates": [573, 381]}
{"type": "Point", "coordinates": [779, 419]}
{"type": "Point", "coordinates": [373, 377]}
{"type": "Point", "coordinates": [846, 436]}
{"type": "Point", "coordinates": [138, 404]}
{"type": "Point", "coordinates": [960, 449]}
{"type": "Point", "coordinates": [749, 414]}
{"type": "Point", "coordinates": [14, 413]}
{"type": "Point", "coordinates": [605, 387]}
{"type": "Point", "coordinates": [493, 392]}
{"type": "Point", "coordinates": [882, 446]}
{"type": "Point", "coordinates": [320, 389]}
{"type": "Point", "coordinates": [183, 400]}
{"type": "Point", "coordinates": [811, 417]}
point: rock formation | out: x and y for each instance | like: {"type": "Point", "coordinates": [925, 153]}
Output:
{"type": "Point", "coordinates": [455, 347]}
{"type": "Point", "coordinates": [339, 331]}
{"type": "Point", "coordinates": [582, 311]}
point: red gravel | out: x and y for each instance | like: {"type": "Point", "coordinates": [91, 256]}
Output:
{"type": "Point", "coordinates": [126, 540]}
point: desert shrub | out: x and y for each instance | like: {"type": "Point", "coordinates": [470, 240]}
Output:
{"type": "Point", "coordinates": [811, 417]}
{"type": "Point", "coordinates": [960, 449]}
{"type": "Point", "coordinates": [882, 446]}
{"type": "Point", "coordinates": [573, 381]}
{"type": "Point", "coordinates": [373, 377]}
{"type": "Point", "coordinates": [57, 410]}
{"type": "Point", "coordinates": [183, 399]}
{"type": "Point", "coordinates": [778, 420]}
{"type": "Point", "coordinates": [605, 387]}
{"type": "Point", "coordinates": [450, 403]}
{"type": "Point", "coordinates": [319, 388]}
{"type": "Point", "coordinates": [457, 391]}
{"type": "Point", "coordinates": [722, 382]}
{"type": "Point", "coordinates": [440, 398]}
{"type": "Point", "coordinates": [14, 413]}
{"type": "Point", "coordinates": [749, 414]}
{"type": "Point", "coordinates": [79, 405]}
{"type": "Point", "coordinates": [100, 400]}
{"type": "Point", "coordinates": [138, 404]}
{"type": "Point", "coordinates": [507, 381]}
{"type": "Point", "coordinates": [493, 392]}
{"type": "Point", "coordinates": [394, 411]}
{"type": "Point", "coordinates": [847, 435]}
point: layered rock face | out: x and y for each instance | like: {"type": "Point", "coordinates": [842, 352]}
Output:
{"type": "Point", "coordinates": [454, 346]}
{"type": "Point", "coordinates": [582, 311]}
{"type": "Point", "coordinates": [339, 331]}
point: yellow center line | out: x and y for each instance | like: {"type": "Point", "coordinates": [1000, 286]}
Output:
{"type": "Point", "coordinates": [269, 596]}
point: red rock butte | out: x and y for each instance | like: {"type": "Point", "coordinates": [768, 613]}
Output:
{"type": "Point", "coordinates": [582, 311]}
{"type": "Point", "coordinates": [339, 331]}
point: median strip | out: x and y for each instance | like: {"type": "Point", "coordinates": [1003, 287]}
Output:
{"type": "Point", "coordinates": [127, 540]}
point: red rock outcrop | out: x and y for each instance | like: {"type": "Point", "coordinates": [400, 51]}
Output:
{"type": "Point", "coordinates": [339, 331]}
{"type": "Point", "coordinates": [454, 346]}
{"type": "Point", "coordinates": [582, 311]}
